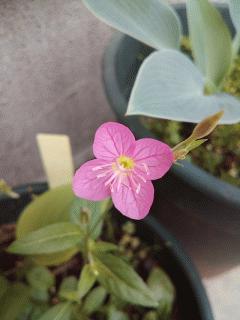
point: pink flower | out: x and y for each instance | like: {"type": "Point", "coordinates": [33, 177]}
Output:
{"type": "Point", "coordinates": [123, 170]}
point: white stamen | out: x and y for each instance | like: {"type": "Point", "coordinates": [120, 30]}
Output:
{"type": "Point", "coordinates": [119, 182]}
{"type": "Point", "coordinates": [112, 178]}
{"type": "Point", "coordinates": [139, 176]}
{"type": "Point", "coordinates": [135, 184]}
{"type": "Point", "coordinates": [146, 168]}
{"type": "Point", "coordinates": [138, 188]}
{"type": "Point", "coordinates": [101, 167]}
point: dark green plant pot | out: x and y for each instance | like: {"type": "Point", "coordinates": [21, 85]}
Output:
{"type": "Point", "coordinates": [190, 188]}
{"type": "Point", "coordinates": [191, 296]}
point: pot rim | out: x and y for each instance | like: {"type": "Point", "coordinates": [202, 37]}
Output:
{"type": "Point", "coordinates": [175, 249]}
{"type": "Point", "coordinates": [191, 174]}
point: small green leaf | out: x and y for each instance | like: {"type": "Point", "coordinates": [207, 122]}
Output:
{"type": "Point", "coordinates": [121, 280]}
{"type": "Point", "coordinates": [153, 22]}
{"type": "Point", "coordinates": [103, 246]}
{"type": "Point", "coordinates": [7, 190]}
{"type": "Point", "coordinates": [152, 315]}
{"type": "Point", "coordinates": [61, 311]}
{"type": "Point", "coordinates": [86, 281]}
{"type": "Point", "coordinates": [94, 300]}
{"type": "Point", "coordinates": [211, 40]}
{"type": "Point", "coordinates": [163, 291]}
{"type": "Point", "coordinates": [89, 215]}
{"type": "Point", "coordinates": [68, 289]}
{"type": "Point", "coordinates": [53, 238]}
{"type": "Point", "coordinates": [14, 301]}
{"type": "Point", "coordinates": [114, 314]}
{"type": "Point", "coordinates": [3, 285]}
{"type": "Point", "coordinates": [51, 207]}
{"type": "Point", "coordinates": [40, 278]}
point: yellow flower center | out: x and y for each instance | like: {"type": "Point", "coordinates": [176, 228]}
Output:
{"type": "Point", "coordinates": [126, 162]}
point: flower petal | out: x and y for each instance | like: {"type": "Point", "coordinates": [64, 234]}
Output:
{"type": "Point", "coordinates": [153, 156]}
{"type": "Point", "coordinates": [86, 184]}
{"type": "Point", "coordinates": [131, 204]}
{"type": "Point", "coordinates": [113, 139]}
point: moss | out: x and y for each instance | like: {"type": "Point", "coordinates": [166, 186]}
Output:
{"type": "Point", "coordinates": [221, 154]}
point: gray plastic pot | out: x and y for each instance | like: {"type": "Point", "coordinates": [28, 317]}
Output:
{"type": "Point", "coordinates": [190, 188]}
{"type": "Point", "coordinates": [191, 296]}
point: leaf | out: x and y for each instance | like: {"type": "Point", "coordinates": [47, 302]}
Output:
{"type": "Point", "coordinates": [234, 6]}
{"type": "Point", "coordinates": [94, 300]}
{"type": "Point", "coordinates": [53, 238]}
{"type": "Point", "coordinates": [86, 281]}
{"type": "Point", "coordinates": [51, 207]}
{"type": "Point", "coordinates": [40, 278]}
{"type": "Point", "coordinates": [68, 289]}
{"type": "Point", "coordinates": [163, 290]}
{"type": "Point", "coordinates": [169, 86]}
{"type": "Point", "coordinates": [121, 280]}
{"type": "Point", "coordinates": [61, 311]}
{"type": "Point", "coordinates": [3, 286]}
{"type": "Point", "coordinates": [152, 315]}
{"type": "Point", "coordinates": [153, 22]}
{"type": "Point", "coordinates": [210, 38]}
{"type": "Point", "coordinates": [7, 190]}
{"type": "Point", "coordinates": [89, 215]}
{"type": "Point", "coordinates": [114, 314]}
{"type": "Point", "coordinates": [103, 246]}
{"type": "Point", "coordinates": [14, 301]}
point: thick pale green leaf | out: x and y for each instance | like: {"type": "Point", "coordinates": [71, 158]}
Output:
{"type": "Point", "coordinates": [14, 301]}
{"type": "Point", "coordinates": [89, 215]}
{"type": "Point", "coordinates": [61, 311]}
{"type": "Point", "coordinates": [86, 280]}
{"type": "Point", "coordinates": [163, 290]}
{"type": "Point", "coordinates": [153, 22]}
{"type": "Point", "coordinates": [210, 38]}
{"type": "Point", "coordinates": [68, 289]}
{"type": "Point", "coordinates": [53, 238]}
{"type": "Point", "coordinates": [121, 280]}
{"type": "Point", "coordinates": [234, 6]}
{"type": "Point", "coordinates": [169, 86]}
{"type": "Point", "coordinates": [94, 300]}
{"type": "Point", "coordinates": [40, 277]}
{"type": "Point", "coordinates": [51, 207]}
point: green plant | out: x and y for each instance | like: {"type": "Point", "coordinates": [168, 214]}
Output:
{"type": "Point", "coordinates": [169, 85]}
{"type": "Point", "coordinates": [98, 281]}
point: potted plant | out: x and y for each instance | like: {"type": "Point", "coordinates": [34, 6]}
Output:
{"type": "Point", "coordinates": [169, 85]}
{"type": "Point", "coordinates": [32, 288]}
{"type": "Point", "coordinates": [72, 257]}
